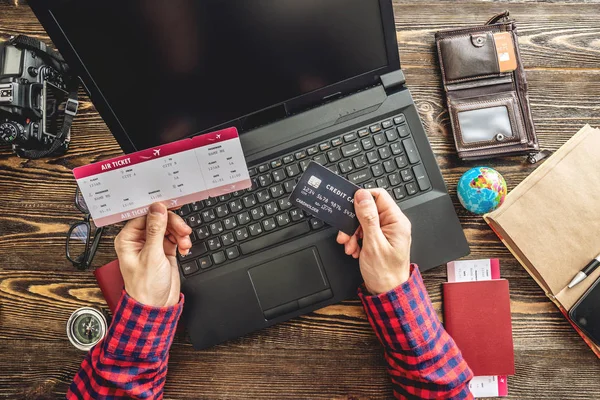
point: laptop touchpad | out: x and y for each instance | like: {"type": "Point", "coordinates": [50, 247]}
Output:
{"type": "Point", "coordinates": [290, 282]}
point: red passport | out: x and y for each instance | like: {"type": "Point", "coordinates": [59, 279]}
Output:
{"type": "Point", "coordinates": [477, 316]}
{"type": "Point", "coordinates": [111, 283]}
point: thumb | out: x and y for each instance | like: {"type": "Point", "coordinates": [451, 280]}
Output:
{"type": "Point", "coordinates": [156, 226]}
{"type": "Point", "coordinates": [367, 214]}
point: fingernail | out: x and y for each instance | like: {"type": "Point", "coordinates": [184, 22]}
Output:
{"type": "Point", "coordinates": [158, 208]}
{"type": "Point", "coordinates": [362, 196]}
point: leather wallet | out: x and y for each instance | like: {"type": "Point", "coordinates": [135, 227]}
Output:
{"type": "Point", "coordinates": [486, 90]}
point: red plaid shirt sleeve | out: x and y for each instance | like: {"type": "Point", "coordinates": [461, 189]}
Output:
{"type": "Point", "coordinates": [131, 362]}
{"type": "Point", "coordinates": [423, 360]}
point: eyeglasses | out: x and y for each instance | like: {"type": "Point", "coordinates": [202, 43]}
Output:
{"type": "Point", "coordinates": [79, 251]}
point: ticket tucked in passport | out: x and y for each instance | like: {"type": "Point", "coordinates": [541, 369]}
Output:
{"type": "Point", "coordinates": [327, 196]}
{"type": "Point", "coordinates": [174, 174]}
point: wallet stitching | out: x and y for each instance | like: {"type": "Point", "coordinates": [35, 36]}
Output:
{"type": "Point", "coordinates": [515, 123]}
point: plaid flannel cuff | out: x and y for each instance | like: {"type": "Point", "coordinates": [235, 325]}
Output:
{"type": "Point", "coordinates": [403, 318]}
{"type": "Point", "coordinates": [142, 332]}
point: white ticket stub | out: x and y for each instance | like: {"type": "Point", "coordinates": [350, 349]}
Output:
{"type": "Point", "coordinates": [480, 270]}
{"type": "Point", "coordinates": [174, 174]}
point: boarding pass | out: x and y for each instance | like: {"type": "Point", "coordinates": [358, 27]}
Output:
{"type": "Point", "coordinates": [174, 174]}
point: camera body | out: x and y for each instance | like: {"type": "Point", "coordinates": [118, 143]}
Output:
{"type": "Point", "coordinates": [33, 101]}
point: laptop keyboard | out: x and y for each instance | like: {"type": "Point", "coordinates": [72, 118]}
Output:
{"type": "Point", "coordinates": [239, 224]}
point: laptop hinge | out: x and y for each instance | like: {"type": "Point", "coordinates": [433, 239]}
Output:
{"type": "Point", "coordinates": [393, 80]}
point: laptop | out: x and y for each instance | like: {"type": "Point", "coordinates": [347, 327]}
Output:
{"type": "Point", "coordinates": [301, 80]}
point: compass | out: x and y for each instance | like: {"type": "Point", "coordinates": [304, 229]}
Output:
{"type": "Point", "coordinates": [86, 327]}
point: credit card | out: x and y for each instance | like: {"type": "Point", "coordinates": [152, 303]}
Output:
{"type": "Point", "coordinates": [174, 174]}
{"type": "Point", "coordinates": [505, 48]}
{"type": "Point", "coordinates": [327, 196]}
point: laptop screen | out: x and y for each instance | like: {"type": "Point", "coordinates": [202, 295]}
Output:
{"type": "Point", "coordinates": [171, 69]}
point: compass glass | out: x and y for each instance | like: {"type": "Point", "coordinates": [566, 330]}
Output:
{"type": "Point", "coordinates": [87, 329]}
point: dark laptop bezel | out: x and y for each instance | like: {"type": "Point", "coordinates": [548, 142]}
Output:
{"type": "Point", "coordinates": [42, 9]}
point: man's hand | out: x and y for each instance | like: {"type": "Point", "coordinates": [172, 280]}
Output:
{"type": "Point", "coordinates": [147, 250]}
{"type": "Point", "coordinates": [385, 255]}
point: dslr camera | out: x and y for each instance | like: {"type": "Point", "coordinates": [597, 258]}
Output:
{"type": "Point", "coordinates": [38, 98]}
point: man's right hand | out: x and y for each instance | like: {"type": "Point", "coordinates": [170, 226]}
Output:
{"type": "Point", "coordinates": [386, 236]}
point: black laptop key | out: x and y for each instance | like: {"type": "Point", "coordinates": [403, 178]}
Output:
{"type": "Point", "coordinates": [316, 223]}
{"type": "Point", "coordinates": [183, 211]}
{"type": "Point", "coordinates": [271, 208]}
{"type": "Point", "coordinates": [372, 157]}
{"type": "Point", "coordinates": [382, 183]}
{"type": "Point", "coordinates": [337, 142]}
{"type": "Point", "coordinates": [189, 268]}
{"type": "Point", "coordinates": [375, 128]}
{"type": "Point", "coordinates": [377, 170]}
{"type": "Point", "coordinates": [422, 178]}
{"type": "Point", "coordinates": [411, 188]}
{"type": "Point", "coordinates": [193, 220]}
{"type": "Point", "coordinates": [263, 168]}
{"type": "Point", "coordinates": [279, 175]}
{"type": "Point", "coordinates": [257, 213]}
{"type": "Point", "coordinates": [396, 148]}
{"type": "Point", "coordinates": [411, 151]}
{"type": "Point", "coordinates": [304, 165]}
{"type": "Point", "coordinates": [241, 234]}
{"type": "Point", "coordinates": [395, 179]}
{"type": "Point", "coordinates": [289, 232]}
{"type": "Point", "coordinates": [208, 216]}
{"type": "Point", "coordinates": [370, 185]}
{"type": "Point", "coordinates": [225, 197]}
{"type": "Point", "coordinates": [399, 193]}
{"type": "Point", "coordinates": [227, 239]}
{"type": "Point", "coordinates": [324, 146]}
{"type": "Point", "coordinates": [283, 219]}
{"type": "Point", "coordinates": [268, 224]}
{"type": "Point", "coordinates": [391, 135]}
{"type": "Point", "coordinates": [198, 249]}
{"type": "Point", "coordinates": [219, 257]}
{"type": "Point", "coordinates": [276, 191]}
{"type": "Point", "coordinates": [230, 223]}
{"type": "Point", "coordinates": [243, 218]}
{"type": "Point", "coordinates": [367, 144]}
{"type": "Point", "coordinates": [379, 139]}
{"type": "Point", "coordinates": [359, 161]}
{"type": "Point", "coordinates": [346, 167]}
{"type": "Point", "coordinates": [276, 164]}
{"type": "Point", "coordinates": [351, 150]}
{"type": "Point", "coordinates": [265, 180]}
{"type": "Point", "coordinates": [222, 211]}
{"type": "Point", "coordinates": [288, 186]}
{"type": "Point", "coordinates": [386, 124]}
{"type": "Point", "coordinates": [403, 131]}
{"type": "Point", "coordinates": [334, 168]}
{"type": "Point", "coordinates": [296, 215]}
{"type": "Point", "coordinates": [284, 204]}
{"type": "Point", "coordinates": [205, 262]}
{"type": "Point", "coordinates": [263, 196]}
{"type": "Point", "coordinates": [252, 172]}
{"type": "Point", "coordinates": [360, 176]}
{"type": "Point", "coordinates": [406, 175]}
{"type": "Point", "coordinates": [232, 253]}
{"type": "Point", "coordinates": [255, 229]}
{"type": "Point", "coordinates": [292, 170]}
{"type": "Point", "coordinates": [249, 201]}
{"type": "Point", "coordinates": [384, 152]}
{"type": "Point", "coordinates": [211, 201]}
{"type": "Point", "coordinates": [288, 159]}
{"type": "Point", "coordinates": [334, 155]}
{"type": "Point", "coordinates": [311, 151]}
{"type": "Point", "coordinates": [203, 232]}
{"type": "Point", "coordinates": [216, 227]}
{"type": "Point", "coordinates": [350, 137]}
{"type": "Point", "coordinates": [363, 132]}
{"type": "Point", "coordinates": [235, 205]}
{"type": "Point", "coordinates": [321, 159]}
{"type": "Point", "coordinates": [401, 161]}
{"type": "Point", "coordinates": [389, 166]}
{"type": "Point", "coordinates": [400, 119]}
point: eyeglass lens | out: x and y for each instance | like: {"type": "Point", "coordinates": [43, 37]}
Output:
{"type": "Point", "coordinates": [78, 242]}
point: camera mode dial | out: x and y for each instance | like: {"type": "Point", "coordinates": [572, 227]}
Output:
{"type": "Point", "coordinates": [10, 131]}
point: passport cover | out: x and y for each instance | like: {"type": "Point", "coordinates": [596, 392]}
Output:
{"type": "Point", "coordinates": [111, 283]}
{"type": "Point", "coordinates": [477, 316]}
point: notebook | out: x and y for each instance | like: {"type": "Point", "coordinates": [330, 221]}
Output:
{"type": "Point", "coordinates": [551, 221]}
{"type": "Point", "coordinates": [477, 316]}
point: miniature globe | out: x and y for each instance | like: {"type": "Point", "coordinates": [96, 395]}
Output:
{"type": "Point", "coordinates": [481, 190]}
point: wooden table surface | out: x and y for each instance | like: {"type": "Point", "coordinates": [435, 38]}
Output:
{"type": "Point", "coordinates": [331, 353]}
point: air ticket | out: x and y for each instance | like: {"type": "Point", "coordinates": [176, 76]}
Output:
{"type": "Point", "coordinates": [174, 174]}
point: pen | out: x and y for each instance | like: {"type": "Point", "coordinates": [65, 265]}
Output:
{"type": "Point", "coordinates": [585, 272]}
